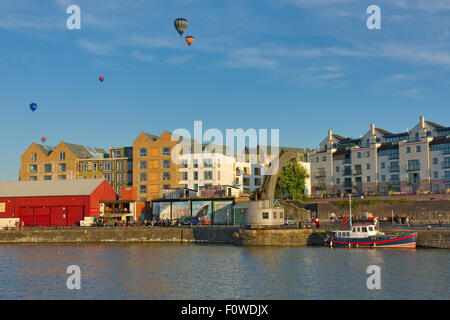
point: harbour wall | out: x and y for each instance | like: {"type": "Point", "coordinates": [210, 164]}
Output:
{"type": "Point", "coordinates": [278, 237]}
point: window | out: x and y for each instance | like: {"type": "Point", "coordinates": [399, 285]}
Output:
{"type": "Point", "coordinates": [196, 187]}
{"type": "Point", "coordinates": [166, 164]}
{"type": "Point", "coordinates": [383, 178]}
{"type": "Point", "coordinates": [47, 178]}
{"type": "Point", "coordinates": [119, 177]}
{"type": "Point", "coordinates": [338, 181]}
{"type": "Point", "coordinates": [207, 163]}
{"type": "Point", "coordinates": [166, 176]}
{"type": "Point", "coordinates": [119, 165]}
{"type": "Point", "coordinates": [143, 164]}
{"type": "Point", "coordinates": [166, 151]}
{"type": "Point", "coordinates": [207, 175]}
{"type": "Point", "coordinates": [195, 163]}
{"type": "Point", "coordinates": [142, 177]}
{"type": "Point", "coordinates": [435, 161]}
{"type": "Point", "coordinates": [62, 167]}
{"type": "Point", "coordinates": [84, 167]}
{"type": "Point", "coordinates": [368, 166]}
{"type": "Point", "coordinates": [383, 165]}
{"type": "Point", "coordinates": [370, 228]}
{"type": "Point", "coordinates": [257, 182]}
{"type": "Point", "coordinates": [274, 214]}
{"type": "Point", "coordinates": [257, 171]}
{"type": "Point", "coordinates": [108, 177]}
{"type": "Point", "coordinates": [367, 154]}
{"type": "Point", "coordinates": [354, 229]}
{"type": "Point", "coordinates": [142, 188]}
{"type": "Point", "coordinates": [364, 229]}
{"type": "Point", "coordinates": [116, 153]}
{"type": "Point", "coordinates": [33, 178]}
{"type": "Point", "coordinates": [337, 169]}
{"type": "Point", "coordinates": [408, 149]}
{"type": "Point", "coordinates": [33, 157]}
{"type": "Point", "coordinates": [33, 168]}
{"type": "Point", "coordinates": [418, 149]}
{"type": "Point", "coordinates": [62, 177]}
{"type": "Point", "coordinates": [143, 152]}
{"type": "Point", "coordinates": [195, 175]}
{"type": "Point", "coordinates": [435, 175]}
{"type": "Point", "coordinates": [368, 178]}
{"type": "Point", "coordinates": [185, 176]}
{"type": "Point", "coordinates": [416, 137]}
{"type": "Point", "coordinates": [265, 215]}
{"type": "Point", "coordinates": [359, 229]}
{"type": "Point", "coordinates": [95, 167]}
{"type": "Point", "coordinates": [107, 166]}
{"type": "Point", "coordinates": [84, 177]}
{"type": "Point", "coordinates": [358, 155]}
{"type": "Point", "coordinates": [62, 156]}
{"type": "Point", "coordinates": [166, 186]}
{"type": "Point", "coordinates": [185, 163]}
{"type": "Point", "coordinates": [324, 158]}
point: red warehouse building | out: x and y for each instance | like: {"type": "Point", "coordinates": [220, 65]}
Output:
{"type": "Point", "coordinates": [53, 203]}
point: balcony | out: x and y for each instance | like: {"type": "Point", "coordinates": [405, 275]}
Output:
{"type": "Point", "coordinates": [394, 182]}
{"type": "Point", "coordinates": [347, 172]}
{"type": "Point", "coordinates": [412, 181]}
{"type": "Point", "coordinates": [394, 169]}
{"type": "Point", "coordinates": [347, 161]}
{"type": "Point", "coordinates": [446, 165]}
{"type": "Point", "coordinates": [412, 168]}
{"type": "Point", "coordinates": [320, 186]}
{"type": "Point", "coordinates": [357, 172]}
{"type": "Point", "coordinates": [320, 174]}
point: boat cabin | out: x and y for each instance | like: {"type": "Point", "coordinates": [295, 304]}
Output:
{"type": "Point", "coordinates": [357, 231]}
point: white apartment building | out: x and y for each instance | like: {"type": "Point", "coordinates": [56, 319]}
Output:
{"type": "Point", "coordinates": [381, 161]}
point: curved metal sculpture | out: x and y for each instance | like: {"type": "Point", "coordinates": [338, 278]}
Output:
{"type": "Point", "coordinates": [270, 181]}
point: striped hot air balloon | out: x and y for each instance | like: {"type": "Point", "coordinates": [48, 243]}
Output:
{"type": "Point", "coordinates": [189, 40]}
{"type": "Point", "coordinates": [181, 25]}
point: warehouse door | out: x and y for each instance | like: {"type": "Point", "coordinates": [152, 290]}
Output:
{"type": "Point", "coordinates": [26, 215]}
{"type": "Point", "coordinates": [42, 218]}
{"type": "Point", "coordinates": [75, 215]}
{"type": "Point", "coordinates": [59, 216]}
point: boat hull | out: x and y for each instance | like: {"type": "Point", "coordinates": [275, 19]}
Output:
{"type": "Point", "coordinates": [402, 241]}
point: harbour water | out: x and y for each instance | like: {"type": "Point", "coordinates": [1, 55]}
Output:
{"type": "Point", "coordinates": [174, 271]}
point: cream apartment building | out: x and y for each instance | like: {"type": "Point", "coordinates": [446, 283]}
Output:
{"type": "Point", "coordinates": [381, 161]}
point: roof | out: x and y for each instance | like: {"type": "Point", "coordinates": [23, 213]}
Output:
{"type": "Point", "coordinates": [434, 124]}
{"type": "Point", "coordinates": [382, 131]}
{"type": "Point", "coordinates": [388, 146]}
{"type": "Point", "coordinates": [339, 137]}
{"type": "Point", "coordinates": [440, 140]}
{"type": "Point", "coordinates": [83, 151]}
{"type": "Point", "coordinates": [397, 135]}
{"type": "Point", "coordinates": [242, 205]}
{"type": "Point", "coordinates": [45, 149]}
{"type": "Point", "coordinates": [79, 187]}
{"type": "Point", "coordinates": [442, 129]}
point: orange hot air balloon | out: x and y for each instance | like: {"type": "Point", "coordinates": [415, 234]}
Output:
{"type": "Point", "coordinates": [189, 40]}
{"type": "Point", "coordinates": [43, 139]}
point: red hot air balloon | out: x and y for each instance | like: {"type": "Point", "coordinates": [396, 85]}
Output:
{"type": "Point", "coordinates": [101, 78]}
{"type": "Point", "coordinates": [43, 139]}
{"type": "Point", "coordinates": [189, 40]}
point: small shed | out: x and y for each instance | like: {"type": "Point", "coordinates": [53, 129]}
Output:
{"type": "Point", "coordinates": [263, 214]}
{"type": "Point", "coordinates": [53, 203]}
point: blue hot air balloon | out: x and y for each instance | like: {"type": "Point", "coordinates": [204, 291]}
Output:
{"type": "Point", "coordinates": [33, 107]}
{"type": "Point", "coordinates": [181, 25]}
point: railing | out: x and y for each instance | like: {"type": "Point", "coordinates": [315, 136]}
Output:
{"type": "Point", "coordinates": [445, 165]}
{"type": "Point", "coordinates": [394, 169]}
{"type": "Point", "coordinates": [357, 172]}
{"type": "Point", "coordinates": [347, 161]}
{"type": "Point", "coordinates": [412, 181]}
{"type": "Point", "coordinates": [412, 168]}
{"type": "Point", "coordinates": [394, 182]}
{"type": "Point", "coordinates": [319, 175]}
{"type": "Point", "coordinates": [348, 185]}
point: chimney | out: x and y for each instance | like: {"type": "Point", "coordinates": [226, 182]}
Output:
{"type": "Point", "coordinates": [422, 122]}
{"type": "Point", "coordinates": [330, 135]}
{"type": "Point", "coordinates": [372, 129]}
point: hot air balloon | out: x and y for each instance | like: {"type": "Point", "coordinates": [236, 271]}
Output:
{"type": "Point", "coordinates": [43, 139]}
{"type": "Point", "coordinates": [189, 40]}
{"type": "Point", "coordinates": [181, 25]}
{"type": "Point", "coordinates": [101, 78]}
{"type": "Point", "coordinates": [33, 106]}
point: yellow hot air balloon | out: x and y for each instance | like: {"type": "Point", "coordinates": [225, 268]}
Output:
{"type": "Point", "coordinates": [189, 40]}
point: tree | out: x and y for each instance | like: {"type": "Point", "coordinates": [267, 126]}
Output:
{"type": "Point", "coordinates": [292, 178]}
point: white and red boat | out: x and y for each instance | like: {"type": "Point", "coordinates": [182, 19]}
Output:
{"type": "Point", "coordinates": [368, 236]}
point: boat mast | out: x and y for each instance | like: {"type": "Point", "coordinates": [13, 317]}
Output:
{"type": "Point", "coordinates": [350, 206]}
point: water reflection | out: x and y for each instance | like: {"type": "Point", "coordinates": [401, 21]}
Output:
{"type": "Point", "coordinates": [173, 271]}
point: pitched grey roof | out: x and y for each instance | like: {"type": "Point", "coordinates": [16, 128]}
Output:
{"type": "Point", "coordinates": [79, 187]}
{"type": "Point", "coordinates": [82, 151]}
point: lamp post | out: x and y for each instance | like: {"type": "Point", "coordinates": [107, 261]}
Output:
{"type": "Point", "coordinates": [350, 207]}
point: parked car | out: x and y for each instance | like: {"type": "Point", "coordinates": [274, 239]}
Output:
{"type": "Point", "coordinates": [289, 220]}
{"type": "Point", "coordinates": [191, 220]}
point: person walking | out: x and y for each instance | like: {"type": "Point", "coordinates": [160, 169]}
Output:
{"type": "Point", "coordinates": [407, 221]}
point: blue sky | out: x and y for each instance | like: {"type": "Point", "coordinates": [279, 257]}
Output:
{"type": "Point", "coordinates": [300, 66]}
